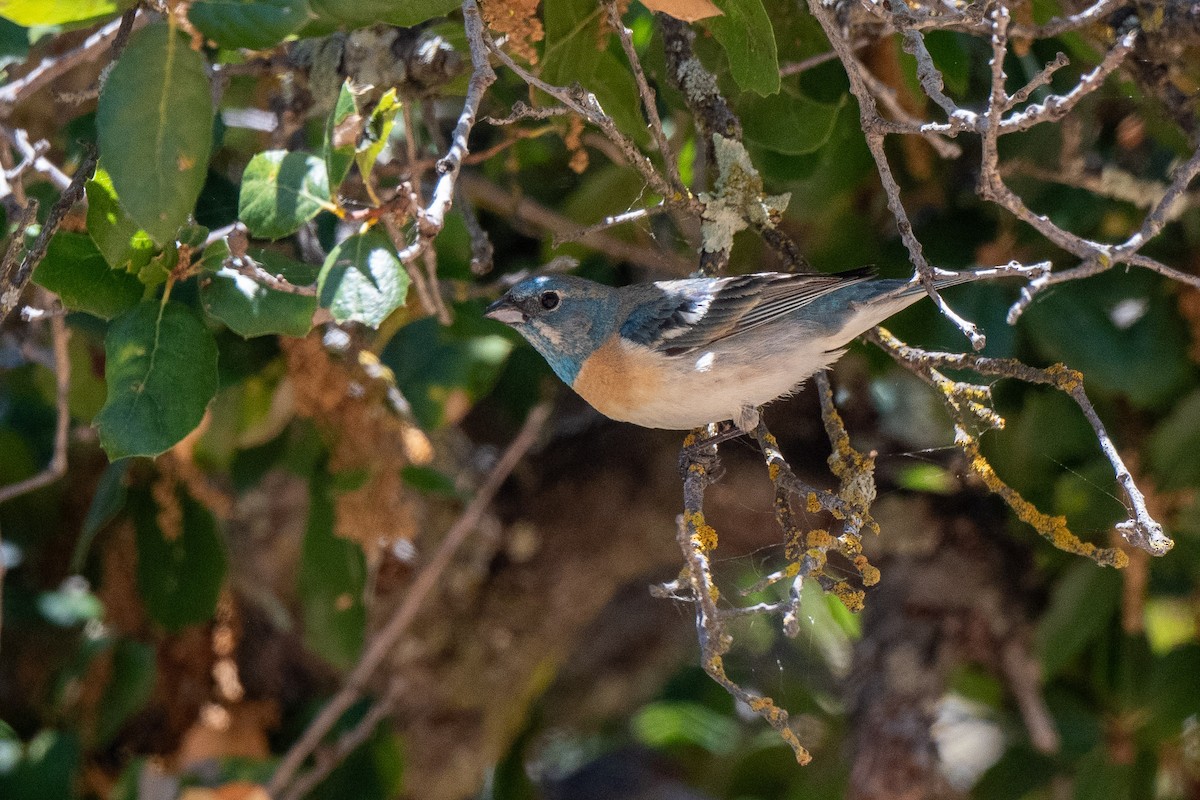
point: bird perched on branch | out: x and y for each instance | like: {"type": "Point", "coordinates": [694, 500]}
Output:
{"type": "Point", "coordinates": [685, 353]}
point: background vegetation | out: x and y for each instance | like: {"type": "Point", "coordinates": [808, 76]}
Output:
{"type": "Point", "coordinates": [283, 514]}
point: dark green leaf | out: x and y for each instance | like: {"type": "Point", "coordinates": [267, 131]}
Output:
{"type": "Point", "coordinates": [791, 125]}
{"type": "Point", "coordinates": [57, 12]}
{"type": "Point", "coordinates": [362, 279]}
{"type": "Point", "coordinates": [1127, 317]}
{"type": "Point", "coordinates": [745, 32]}
{"type": "Point", "coordinates": [342, 131]}
{"type": "Point", "coordinates": [154, 124]}
{"type": "Point", "coordinates": [571, 55]}
{"type": "Point", "coordinates": [1081, 607]}
{"type": "Point", "coordinates": [14, 43]}
{"type": "Point", "coordinates": [180, 572]}
{"type": "Point", "coordinates": [251, 309]}
{"type": "Point", "coordinates": [444, 371]}
{"type": "Point", "coordinates": [1175, 676]}
{"type": "Point", "coordinates": [430, 481]}
{"type": "Point", "coordinates": [1174, 446]}
{"type": "Point", "coordinates": [133, 672]}
{"type": "Point", "coordinates": [106, 504]}
{"type": "Point", "coordinates": [357, 13]}
{"type": "Point", "coordinates": [161, 369]}
{"type": "Point", "coordinates": [332, 576]}
{"type": "Point", "coordinates": [253, 24]}
{"type": "Point", "coordinates": [281, 191]}
{"type": "Point", "coordinates": [76, 271]}
{"type": "Point", "coordinates": [48, 771]}
{"type": "Point", "coordinates": [122, 243]}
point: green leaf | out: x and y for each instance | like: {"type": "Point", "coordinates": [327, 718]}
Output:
{"type": "Point", "coordinates": [161, 369]}
{"type": "Point", "coordinates": [134, 671]}
{"type": "Point", "coordinates": [106, 504]}
{"type": "Point", "coordinates": [444, 371]}
{"type": "Point", "coordinates": [358, 13]}
{"type": "Point", "coordinates": [154, 123]}
{"type": "Point", "coordinates": [1135, 342]}
{"type": "Point", "coordinates": [253, 24]}
{"type": "Point", "coordinates": [122, 243]}
{"type": "Point", "coordinates": [748, 39]}
{"type": "Point", "coordinates": [1174, 445]}
{"type": "Point", "coordinates": [1081, 608]}
{"type": "Point", "coordinates": [248, 307]}
{"type": "Point", "coordinates": [342, 131]}
{"type": "Point", "coordinates": [378, 129]}
{"type": "Point", "coordinates": [672, 723]}
{"type": "Point", "coordinates": [363, 280]}
{"type": "Point", "coordinates": [331, 581]}
{"type": "Point", "coordinates": [792, 125]}
{"type": "Point", "coordinates": [76, 271]}
{"type": "Point", "coordinates": [281, 191]}
{"type": "Point", "coordinates": [48, 771]}
{"type": "Point", "coordinates": [179, 573]}
{"type": "Point", "coordinates": [56, 12]}
{"type": "Point", "coordinates": [571, 56]}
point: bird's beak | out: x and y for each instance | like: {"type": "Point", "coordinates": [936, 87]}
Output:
{"type": "Point", "coordinates": [504, 311]}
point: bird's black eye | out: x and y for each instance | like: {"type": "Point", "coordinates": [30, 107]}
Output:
{"type": "Point", "coordinates": [550, 300]}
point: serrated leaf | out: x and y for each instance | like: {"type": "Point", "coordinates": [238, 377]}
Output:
{"type": "Point", "coordinates": [376, 132]}
{"type": "Point", "coordinates": [154, 125]}
{"type": "Point", "coordinates": [281, 191]}
{"type": "Point", "coordinates": [744, 31]}
{"type": "Point", "coordinates": [253, 24]}
{"type": "Point", "coordinates": [792, 125]}
{"type": "Point", "coordinates": [356, 13]}
{"type": "Point", "coordinates": [115, 234]}
{"type": "Point", "coordinates": [249, 308]}
{"type": "Point", "coordinates": [179, 572]}
{"type": "Point", "coordinates": [363, 280]}
{"type": "Point", "coordinates": [76, 271]}
{"type": "Point", "coordinates": [161, 369]}
{"type": "Point", "coordinates": [1174, 445]}
{"type": "Point", "coordinates": [56, 12]}
{"type": "Point", "coordinates": [342, 131]}
{"type": "Point", "coordinates": [331, 580]}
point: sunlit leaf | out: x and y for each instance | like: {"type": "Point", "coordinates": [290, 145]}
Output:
{"type": "Point", "coordinates": [281, 191]}
{"type": "Point", "coordinates": [363, 280]}
{"type": "Point", "coordinates": [161, 369]}
{"type": "Point", "coordinates": [154, 123]}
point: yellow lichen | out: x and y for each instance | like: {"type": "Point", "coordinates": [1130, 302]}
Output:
{"type": "Point", "coordinates": [851, 598]}
{"type": "Point", "coordinates": [812, 503]}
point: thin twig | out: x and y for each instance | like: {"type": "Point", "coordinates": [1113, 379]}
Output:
{"type": "Point", "coordinates": [649, 101]}
{"type": "Point", "coordinates": [49, 69]}
{"type": "Point", "coordinates": [57, 467]}
{"type": "Point", "coordinates": [12, 281]}
{"type": "Point", "coordinates": [525, 211]}
{"type": "Point", "coordinates": [385, 641]}
{"type": "Point", "coordinates": [328, 758]}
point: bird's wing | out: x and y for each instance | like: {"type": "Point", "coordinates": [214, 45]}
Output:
{"type": "Point", "coordinates": [692, 314]}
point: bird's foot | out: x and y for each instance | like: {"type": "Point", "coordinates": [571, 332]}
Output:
{"type": "Point", "coordinates": [700, 450]}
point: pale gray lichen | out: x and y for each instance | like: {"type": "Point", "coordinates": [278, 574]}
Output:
{"type": "Point", "coordinates": [738, 200]}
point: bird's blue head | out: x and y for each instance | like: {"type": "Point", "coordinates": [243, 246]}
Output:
{"type": "Point", "coordinates": [565, 318]}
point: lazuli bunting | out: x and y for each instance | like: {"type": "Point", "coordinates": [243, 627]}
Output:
{"type": "Point", "coordinates": [685, 353]}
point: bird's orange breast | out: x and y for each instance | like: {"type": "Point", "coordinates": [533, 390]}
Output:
{"type": "Point", "coordinates": [619, 378]}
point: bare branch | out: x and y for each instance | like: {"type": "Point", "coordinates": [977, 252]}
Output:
{"type": "Point", "coordinates": [13, 278]}
{"type": "Point", "coordinates": [57, 467]}
{"type": "Point", "coordinates": [387, 637]}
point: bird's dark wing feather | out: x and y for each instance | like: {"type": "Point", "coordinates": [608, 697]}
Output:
{"type": "Point", "coordinates": [692, 314]}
